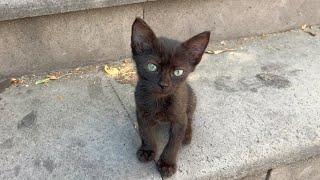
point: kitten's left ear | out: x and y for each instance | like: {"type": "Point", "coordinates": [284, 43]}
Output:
{"type": "Point", "coordinates": [196, 46]}
{"type": "Point", "coordinates": [142, 37]}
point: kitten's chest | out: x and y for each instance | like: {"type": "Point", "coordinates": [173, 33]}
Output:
{"type": "Point", "coordinates": [163, 110]}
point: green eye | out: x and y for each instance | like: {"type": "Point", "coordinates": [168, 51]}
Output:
{"type": "Point", "coordinates": [152, 67]}
{"type": "Point", "coordinates": [178, 72]}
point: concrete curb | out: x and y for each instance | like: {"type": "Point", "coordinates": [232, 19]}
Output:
{"type": "Point", "coordinates": [10, 10]}
{"type": "Point", "coordinates": [67, 40]}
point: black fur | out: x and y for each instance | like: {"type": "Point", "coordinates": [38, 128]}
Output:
{"type": "Point", "coordinates": [161, 95]}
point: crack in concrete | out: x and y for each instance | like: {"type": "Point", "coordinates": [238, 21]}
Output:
{"type": "Point", "coordinates": [268, 174]}
{"type": "Point", "coordinates": [122, 104]}
{"type": "Point", "coordinates": [143, 11]}
{"type": "Point", "coordinates": [128, 114]}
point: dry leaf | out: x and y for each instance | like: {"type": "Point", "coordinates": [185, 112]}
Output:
{"type": "Point", "coordinates": [126, 61]}
{"type": "Point", "coordinates": [307, 29]}
{"type": "Point", "coordinates": [64, 75]}
{"type": "Point", "coordinates": [111, 71]}
{"type": "Point", "coordinates": [123, 73]}
{"type": "Point", "coordinates": [52, 77]}
{"type": "Point", "coordinates": [305, 26]}
{"type": "Point", "coordinates": [15, 81]}
{"type": "Point", "coordinates": [219, 51]}
{"type": "Point", "coordinates": [311, 33]}
{"type": "Point", "coordinates": [42, 81]}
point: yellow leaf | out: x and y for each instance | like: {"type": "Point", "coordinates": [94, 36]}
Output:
{"type": "Point", "coordinates": [43, 81]}
{"type": "Point", "coordinates": [111, 71]}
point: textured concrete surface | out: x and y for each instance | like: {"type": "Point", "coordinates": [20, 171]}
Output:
{"type": "Point", "coordinates": [44, 43]}
{"type": "Point", "coordinates": [258, 109]}
{"type": "Point", "coordinates": [309, 169]}
{"type": "Point", "coordinates": [74, 129]}
{"type": "Point", "coordinates": [66, 40]}
{"type": "Point", "coordinates": [228, 19]}
{"type": "Point", "coordinates": [13, 9]}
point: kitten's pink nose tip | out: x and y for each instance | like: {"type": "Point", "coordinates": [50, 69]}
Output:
{"type": "Point", "coordinates": [163, 85]}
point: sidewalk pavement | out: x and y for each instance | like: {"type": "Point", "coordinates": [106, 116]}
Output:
{"type": "Point", "coordinates": [258, 108]}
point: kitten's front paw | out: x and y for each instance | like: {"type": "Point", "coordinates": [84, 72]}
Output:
{"type": "Point", "coordinates": [145, 155]}
{"type": "Point", "coordinates": [166, 169]}
{"type": "Point", "coordinates": [187, 139]}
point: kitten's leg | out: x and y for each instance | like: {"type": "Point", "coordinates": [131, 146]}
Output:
{"type": "Point", "coordinates": [148, 148]}
{"type": "Point", "coordinates": [188, 134]}
{"type": "Point", "coordinates": [190, 111]}
{"type": "Point", "coordinates": [167, 163]}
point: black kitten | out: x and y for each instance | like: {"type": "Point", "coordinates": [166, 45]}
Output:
{"type": "Point", "coordinates": [162, 93]}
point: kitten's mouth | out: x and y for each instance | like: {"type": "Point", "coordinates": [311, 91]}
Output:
{"type": "Point", "coordinates": [163, 92]}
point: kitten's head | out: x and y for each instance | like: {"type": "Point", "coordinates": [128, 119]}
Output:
{"type": "Point", "coordinates": [163, 64]}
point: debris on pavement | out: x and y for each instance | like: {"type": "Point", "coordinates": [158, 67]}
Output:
{"type": "Point", "coordinates": [308, 29]}
{"type": "Point", "coordinates": [21, 81]}
{"type": "Point", "coordinates": [43, 81]}
{"type": "Point", "coordinates": [127, 73]}
{"type": "Point", "coordinates": [51, 76]}
{"type": "Point", "coordinates": [215, 52]}
{"type": "Point", "coordinates": [16, 81]}
{"type": "Point", "coordinates": [263, 36]}
{"type": "Point", "coordinates": [111, 71]}
{"type": "Point", "coordinates": [124, 73]}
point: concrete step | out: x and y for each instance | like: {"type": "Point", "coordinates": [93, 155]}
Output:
{"type": "Point", "coordinates": [39, 36]}
{"type": "Point", "coordinates": [258, 109]}
{"type": "Point", "coordinates": [10, 10]}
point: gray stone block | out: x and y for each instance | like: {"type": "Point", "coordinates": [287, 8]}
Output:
{"type": "Point", "coordinates": [79, 38]}
{"type": "Point", "coordinates": [228, 19]}
{"type": "Point", "coordinates": [52, 42]}
{"type": "Point", "coordinates": [29, 8]}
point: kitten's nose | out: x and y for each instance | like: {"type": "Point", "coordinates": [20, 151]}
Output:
{"type": "Point", "coordinates": [163, 85]}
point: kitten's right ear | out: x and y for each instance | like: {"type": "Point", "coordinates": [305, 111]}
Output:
{"type": "Point", "coordinates": [142, 37]}
{"type": "Point", "coordinates": [197, 45]}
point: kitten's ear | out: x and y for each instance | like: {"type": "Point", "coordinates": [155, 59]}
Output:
{"type": "Point", "coordinates": [142, 37]}
{"type": "Point", "coordinates": [196, 46]}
